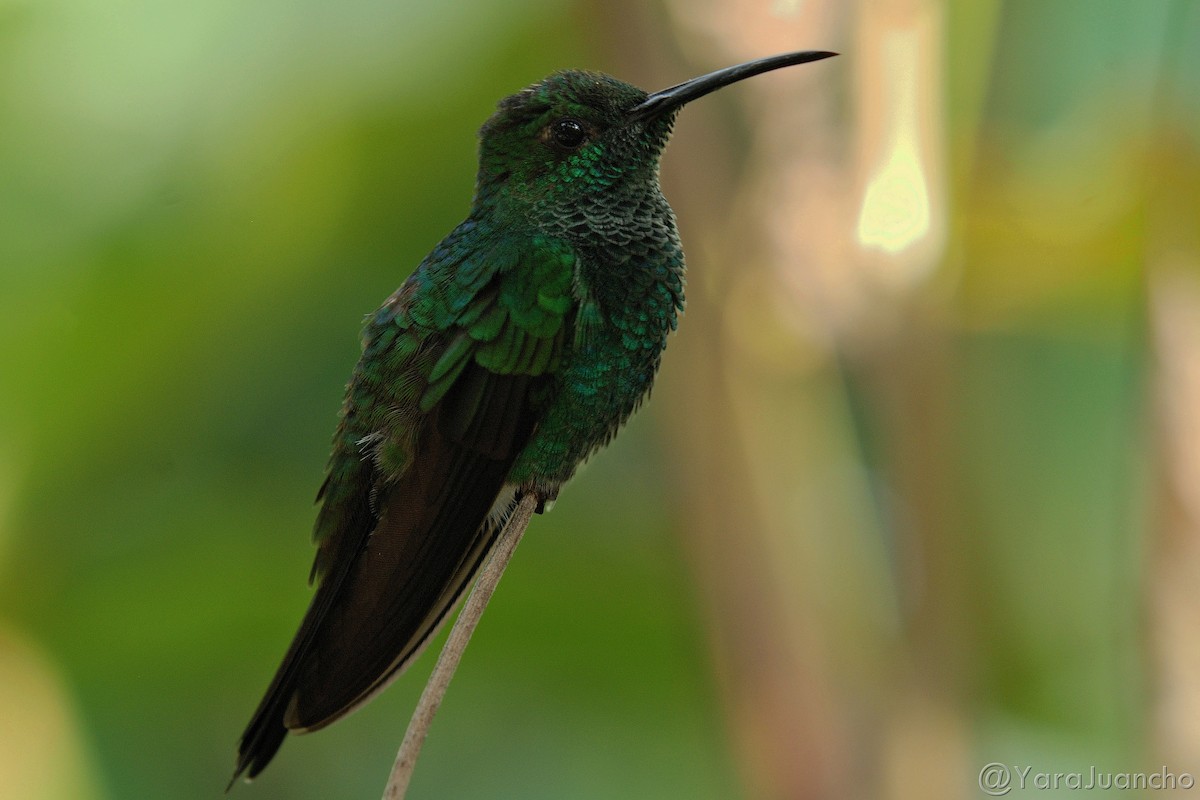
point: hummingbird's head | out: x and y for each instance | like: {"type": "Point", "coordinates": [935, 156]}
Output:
{"type": "Point", "coordinates": [576, 135]}
{"type": "Point", "coordinates": [567, 136]}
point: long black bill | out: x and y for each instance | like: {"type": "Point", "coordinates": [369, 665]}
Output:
{"type": "Point", "coordinates": [669, 100]}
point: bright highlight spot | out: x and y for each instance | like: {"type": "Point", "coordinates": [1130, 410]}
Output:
{"type": "Point", "coordinates": [895, 209]}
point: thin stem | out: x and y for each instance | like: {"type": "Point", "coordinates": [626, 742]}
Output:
{"type": "Point", "coordinates": [460, 635]}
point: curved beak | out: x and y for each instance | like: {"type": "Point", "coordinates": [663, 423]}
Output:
{"type": "Point", "coordinates": [668, 100]}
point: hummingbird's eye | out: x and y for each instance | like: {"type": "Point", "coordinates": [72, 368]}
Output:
{"type": "Point", "coordinates": [568, 133]}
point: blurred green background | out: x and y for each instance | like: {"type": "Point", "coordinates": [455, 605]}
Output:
{"type": "Point", "coordinates": [919, 488]}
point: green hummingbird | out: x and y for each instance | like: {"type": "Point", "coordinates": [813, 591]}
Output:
{"type": "Point", "coordinates": [517, 348]}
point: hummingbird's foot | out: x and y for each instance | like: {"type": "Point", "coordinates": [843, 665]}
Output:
{"type": "Point", "coordinates": [546, 497]}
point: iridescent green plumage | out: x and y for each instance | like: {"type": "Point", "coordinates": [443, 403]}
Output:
{"type": "Point", "coordinates": [518, 347]}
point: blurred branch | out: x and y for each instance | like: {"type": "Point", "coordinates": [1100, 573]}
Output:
{"type": "Point", "coordinates": [787, 727]}
{"type": "Point", "coordinates": [1173, 299]}
{"type": "Point", "coordinates": [1174, 603]}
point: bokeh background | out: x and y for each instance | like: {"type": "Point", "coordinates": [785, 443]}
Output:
{"type": "Point", "coordinates": [919, 488]}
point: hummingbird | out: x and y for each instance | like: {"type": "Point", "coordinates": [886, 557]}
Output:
{"type": "Point", "coordinates": [515, 350]}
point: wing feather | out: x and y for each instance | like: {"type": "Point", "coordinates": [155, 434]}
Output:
{"type": "Point", "coordinates": [443, 400]}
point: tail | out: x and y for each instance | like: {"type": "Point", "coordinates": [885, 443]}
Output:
{"type": "Point", "coordinates": [385, 599]}
{"type": "Point", "coordinates": [265, 733]}
{"type": "Point", "coordinates": [394, 559]}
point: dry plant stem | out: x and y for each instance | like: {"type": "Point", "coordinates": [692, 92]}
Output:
{"type": "Point", "coordinates": [460, 635]}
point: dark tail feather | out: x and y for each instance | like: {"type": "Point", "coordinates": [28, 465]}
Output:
{"type": "Point", "coordinates": [266, 731]}
{"type": "Point", "coordinates": [392, 578]}
{"type": "Point", "coordinates": [306, 715]}
{"type": "Point", "coordinates": [426, 547]}
{"type": "Point", "coordinates": [262, 741]}
{"type": "Point", "coordinates": [370, 617]}
{"type": "Point", "coordinates": [270, 724]}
